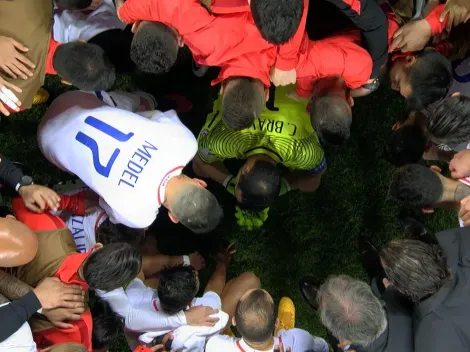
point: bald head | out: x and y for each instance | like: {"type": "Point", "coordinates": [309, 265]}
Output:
{"type": "Point", "coordinates": [255, 316]}
{"type": "Point", "coordinates": [18, 243]}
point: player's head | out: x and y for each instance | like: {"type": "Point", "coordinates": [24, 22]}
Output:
{"type": "Point", "coordinates": [107, 326]}
{"type": "Point", "coordinates": [243, 100]}
{"type": "Point", "coordinates": [259, 182]}
{"type": "Point", "coordinates": [177, 287]}
{"type": "Point", "coordinates": [155, 47]}
{"type": "Point", "coordinates": [277, 20]}
{"type": "Point", "coordinates": [422, 78]}
{"type": "Point", "coordinates": [190, 203]}
{"type": "Point", "coordinates": [84, 65]}
{"type": "Point", "coordinates": [449, 122]}
{"type": "Point", "coordinates": [405, 145]}
{"type": "Point", "coordinates": [255, 316]}
{"type": "Point", "coordinates": [108, 233]}
{"type": "Point", "coordinates": [111, 266]}
{"type": "Point", "coordinates": [73, 4]}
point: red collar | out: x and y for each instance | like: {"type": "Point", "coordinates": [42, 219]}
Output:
{"type": "Point", "coordinates": [68, 271]}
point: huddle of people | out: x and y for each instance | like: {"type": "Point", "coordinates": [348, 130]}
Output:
{"type": "Point", "coordinates": [79, 265]}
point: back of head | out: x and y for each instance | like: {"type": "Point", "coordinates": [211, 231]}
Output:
{"type": "Point", "coordinates": [405, 145]}
{"type": "Point", "coordinates": [255, 316]}
{"type": "Point", "coordinates": [416, 185]}
{"type": "Point", "coordinates": [197, 209]}
{"type": "Point", "coordinates": [177, 287]}
{"type": "Point", "coordinates": [154, 48]}
{"type": "Point", "coordinates": [277, 20]}
{"type": "Point", "coordinates": [260, 185]}
{"type": "Point", "coordinates": [73, 4]}
{"type": "Point", "coordinates": [112, 266]}
{"type": "Point", "coordinates": [350, 311]}
{"type": "Point", "coordinates": [107, 326]}
{"type": "Point", "coordinates": [84, 65]}
{"type": "Point", "coordinates": [449, 122]}
{"type": "Point", "coordinates": [431, 78]}
{"type": "Point", "coordinates": [416, 269]}
{"type": "Point", "coordinates": [108, 233]}
{"type": "Point", "coordinates": [243, 102]}
{"type": "Point", "coordinates": [331, 118]}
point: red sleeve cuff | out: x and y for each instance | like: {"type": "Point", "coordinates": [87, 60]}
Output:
{"type": "Point", "coordinates": [437, 27]}
{"type": "Point", "coordinates": [74, 203]}
{"type": "Point", "coordinates": [286, 64]}
{"type": "Point", "coordinates": [142, 349]}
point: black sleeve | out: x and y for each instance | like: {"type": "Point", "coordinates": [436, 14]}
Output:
{"type": "Point", "coordinates": [374, 26]}
{"type": "Point", "coordinates": [16, 313]}
{"type": "Point", "coordinates": [10, 174]}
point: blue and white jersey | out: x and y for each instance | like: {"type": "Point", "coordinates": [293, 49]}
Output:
{"type": "Point", "coordinates": [461, 72]}
{"type": "Point", "coordinates": [125, 158]}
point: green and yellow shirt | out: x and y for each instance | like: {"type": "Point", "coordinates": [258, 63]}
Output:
{"type": "Point", "coordinates": [283, 132]}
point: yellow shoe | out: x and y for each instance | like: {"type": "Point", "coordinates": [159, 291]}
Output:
{"type": "Point", "coordinates": [41, 96]}
{"type": "Point", "coordinates": [228, 332]}
{"type": "Point", "coordinates": [285, 315]}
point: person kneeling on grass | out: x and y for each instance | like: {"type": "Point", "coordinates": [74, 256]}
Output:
{"type": "Point", "coordinates": [283, 135]}
{"type": "Point", "coordinates": [256, 321]}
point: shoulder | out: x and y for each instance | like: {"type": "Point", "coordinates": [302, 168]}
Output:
{"type": "Point", "coordinates": [210, 299]}
{"type": "Point", "coordinates": [219, 343]}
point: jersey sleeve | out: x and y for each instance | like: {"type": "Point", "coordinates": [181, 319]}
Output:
{"type": "Point", "coordinates": [36, 222]}
{"type": "Point", "coordinates": [433, 18]}
{"type": "Point", "coordinates": [207, 140]}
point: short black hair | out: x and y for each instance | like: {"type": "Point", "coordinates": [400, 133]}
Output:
{"type": "Point", "coordinates": [449, 122]}
{"type": "Point", "coordinates": [154, 48]}
{"type": "Point", "coordinates": [84, 65]}
{"type": "Point", "coordinates": [73, 4]}
{"type": "Point", "coordinates": [277, 20]}
{"type": "Point", "coordinates": [417, 186]}
{"type": "Point", "coordinates": [260, 186]}
{"type": "Point", "coordinates": [242, 103]}
{"type": "Point", "coordinates": [255, 316]}
{"type": "Point", "coordinates": [331, 118]}
{"type": "Point", "coordinates": [405, 145]}
{"type": "Point", "coordinates": [430, 79]}
{"type": "Point", "coordinates": [107, 325]}
{"type": "Point", "coordinates": [108, 233]}
{"type": "Point", "coordinates": [112, 266]}
{"type": "Point", "coordinates": [177, 287]}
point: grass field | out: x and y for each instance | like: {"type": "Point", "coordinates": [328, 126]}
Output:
{"type": "Point", "coordinates": [305, 234]}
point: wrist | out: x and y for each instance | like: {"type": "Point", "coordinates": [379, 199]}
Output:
{"type": "Point", "coordinates": [24, 181]}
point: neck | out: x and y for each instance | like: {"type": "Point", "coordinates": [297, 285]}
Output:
{"type": "Point", "coordinates": [169, 191]}
{"type": "Point", "coordinates": [261, 346]}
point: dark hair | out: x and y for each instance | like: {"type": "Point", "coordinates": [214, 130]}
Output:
{"type": "Point", "coordinates": [430, 79]}
{"type": "Point", "coordinates": [154, 48]}
{"type": "Point", "coordinates": [416, 269]}
{"type": "Point", "coordinates": [84, 65]}
{"type": "Point", "coordinates": [260, 186]}
{"type": "Point", "coordinates": [4, 211]}
{"type": "Point", "coordinates": [405, 145]}
{"type": "Point", "coordinates": [112, 266]}
{"type": "Point", "coordinates": [107, 325]}
{"type": "Point", "coordinates": [331, 118]}
{"type": "Point", "coordinates": [242, 103]}
{"type": "Point", "coordinates": [255, 316]}
{"type": "Point", "coordinates": [416, 185]}
{"type": "Point", "coordinates": [197, 209]}
{"type": "Point", "coordinates": [177, 287]}
{"type": "Point", "coordinates": [108, 233]}
{"type": "Point", "coordinates": [449, 122]}
{"type": "Point", "coordinates": [73, 4]}
{"type": "Point", "coordinates": [277, 20]}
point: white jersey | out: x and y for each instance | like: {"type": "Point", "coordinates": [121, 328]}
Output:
{"type": "Point", "coordinates": [297, 339]}
{"type": "Point", "coordinates": [461, 73]}
{"type": "Point", "coordinates": [70, 26]}
{"type": "Point", "coordinates": [125, 158]}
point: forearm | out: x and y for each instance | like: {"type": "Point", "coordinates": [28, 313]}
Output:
{"type": "Point", "coordinates": [13, 288]}
{"type": "Point", "coordinates": [217, 281]}
{"type": "Point", "coordinates": [216, 171]}
{"type": "Point", "coordinates": [153, 264]}
{"type": "Point", "coordinates": [10, 174]}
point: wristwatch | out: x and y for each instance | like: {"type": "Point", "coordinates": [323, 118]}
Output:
{"type": "Point", "coordinates": [24, 181]}
{"type": "Point", "coordinates": [372, 86]}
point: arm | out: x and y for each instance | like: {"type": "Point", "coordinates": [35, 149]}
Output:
{"type": "Point", "coordinates": [433, 19]}
{"type": "Point", "coordinates": [35, 221]}
{"type": "Point", "coordinates": [215, 171]}
{"type": "Point", "coordinates": [10, 174]}
{"type": "Point", "coordinates": [304, 181]}
{"type": "Point", "coordinates": [219, 277]}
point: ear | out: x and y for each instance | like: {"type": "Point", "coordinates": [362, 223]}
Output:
{"type": "Point", "coordinates": [410, 60]}
{"type": "Point", "coordinates": [98, 245]}
{"type": "Point", "coordinates": [456, 94]}
{"type": "Point", "coordinates": [350, 100]}
{"type": "Point", "coordinates": [234, 323]}
{"type": "Point", "coordinates": [436, 168]}
{"type": "Point", "coordinates": [277, 324]}
{"type": "Point", "coordinates": [222, 88]}
{"type": "Point", "coordinates": [397, 125]}
{"type": "Point", "coordinates": [173, 217]}
{"type": "Point", "coordinates": [135, 26]}
{"type": "Point", "coordinates": [67, 83]}
{"type": "Point", "coordinates": [266, 93]}
{"type": "Point", "coordinates": [427, 210]}
{"type": "Point", "coordinates": [202, 183]}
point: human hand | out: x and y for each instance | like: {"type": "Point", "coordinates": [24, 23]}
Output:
{"type": "Point", "coordinates": [345, 346]}
{"type": "Point", "coordinates": [12, 61]}
{"type": "Point", "coordinates": [458, 11]}
{"type": "Point", "coordinates": [224, 255]}
{"type": "Point", "coordinates": [283, 78]}
{"type": "Point", "coordinates": [459, 166]}
{"type": "Point", "coordinates": [8, 98]}
{"type": "Point", "coordinates": [197, 261]}
{"type": "Point", "coordinates": [201, 316]}
{"type": "Point", "coordinates": [413, 36]}
{"type": "Point", "coordinates": [38, 198]}
{"type": "Point", "coordinates": [464, 211]}
{"type": "Point", "coordinates": [52, 293]}
{"type": "Point", "coordinates": [59, 316]}
{"type": "Point", "coordinates": [162, 343]}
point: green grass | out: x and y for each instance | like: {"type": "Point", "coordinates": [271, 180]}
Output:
{"type": "Point", "coordinates": [305, 234]}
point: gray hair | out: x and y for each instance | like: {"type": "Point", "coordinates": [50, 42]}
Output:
{"type": "Point", "coordinates": [197, 209]}
{"type": "Point", "coordinates": [350, 311]}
